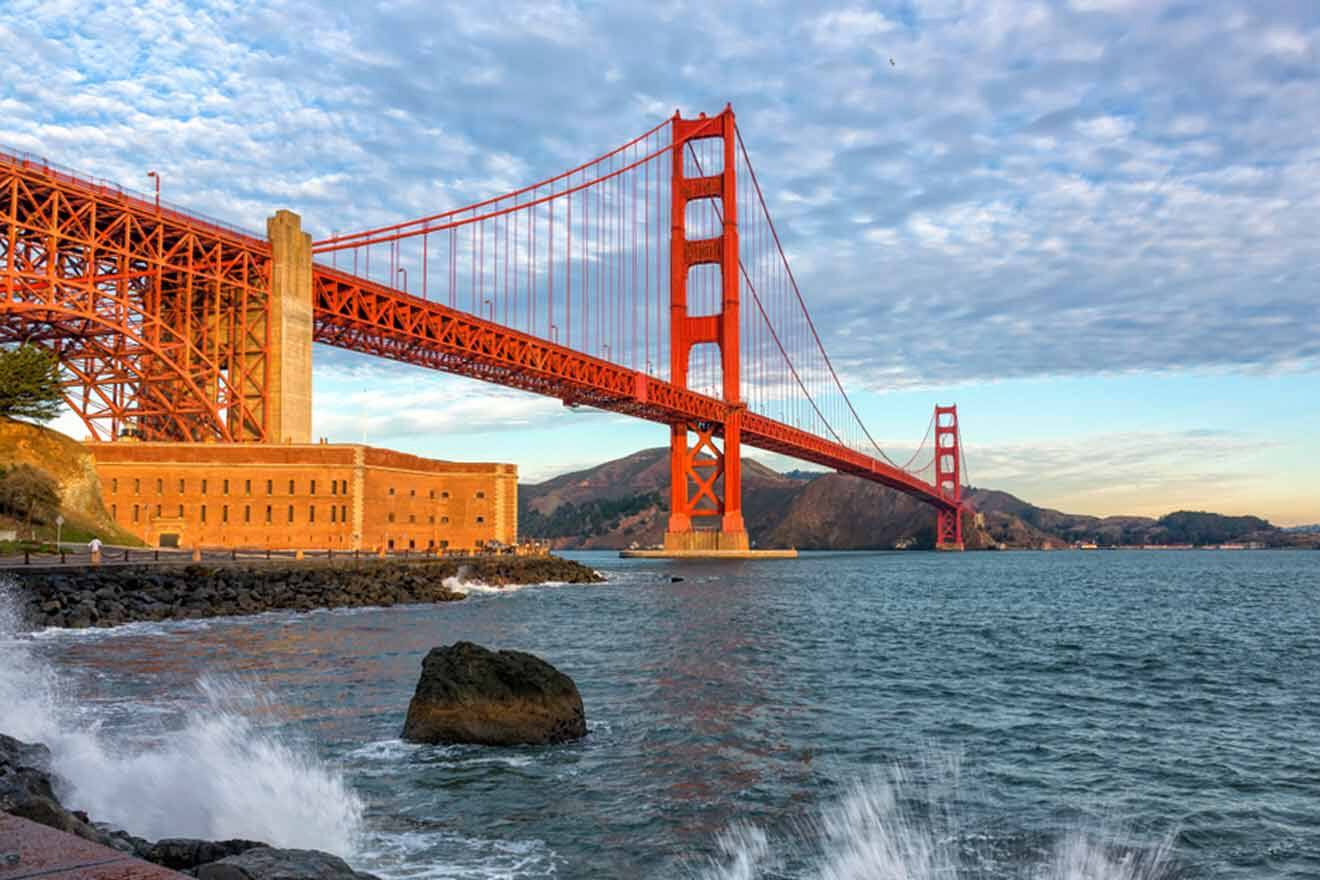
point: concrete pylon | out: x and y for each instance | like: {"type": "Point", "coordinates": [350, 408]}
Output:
{"type": "Point", "coordinates": [289, 388]}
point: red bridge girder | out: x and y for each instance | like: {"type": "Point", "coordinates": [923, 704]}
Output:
{"type": "Point", "coordinates": [363, 316]}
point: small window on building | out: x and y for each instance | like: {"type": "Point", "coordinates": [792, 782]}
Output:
{"type": "Point", "coordinates": [391, 517]}
{"type": "Point", "coordinates": [343, 486]}
{"type": "Point", "coordinates": [412, 545]}
{"type": "Point", "coordinates": [313, 488]}
{"type": "Point", "coordinates": [343, 512]}
{"type": "Point", "coordinates": [432, 494]}
{"type": "Point", "coordinates": [334, 511]}
{"type": "Point", "coordinates": [412, 493]}
{"type": "Point", "coordinates": [203, 513]}
{"type": "Point", "coordinates": [481, 494]}
{"type": "Point", "coordinates": [203, 487]}
{"type": "Point", "coordinates": [114, 485]}
{"type": "Point", "coordinates": [160, 486]}
{"type": "Point", "coordinates": [391, 490]}
{"type": "Point", "coordinates": [158, 513]}
{"type": "Point", "coordinates": [181, 486]}
{"type": "Point", "coordinates": [481, 519]}
{"type": "Point", "coordinates": [444, 494]}
{"type": "Point", "coordinates": [412, 517]}
{"type": "Point", "coordinates": [225, 488]}
{"type": "Point", "coordinates": [432, 520]}
{"type": "Point", "coordinates": [247, 513]}
{"type": "Point", "coordinates": [311, 513]}
{"type": "Point", "coordinates": [114, 511]}
{"type": "Point", "coordinates": [247, 487]}
{"type": "Point", "coordinates": [290, 513]}
{"type": "Point", "coordinates": [224, 513]}
{"type": "Point", "coordinates": [137, 487]}
{"type": "Point", "coordinates": [270, 487]}
{"type": "Point", "coordinates": [334, 487]}
{"type": "Point", "coordinates": [291, 492]}
{"type": "Point", "coordinates": [391, 543]}
{"type": "Point", "coordinates": [270, 514]}
{"type": "Point", "coordinates": [444, 520]}
{"type": "Point", "coordinates": [180, 511]}
{"type": "Point", "coordinates": [135, 513]}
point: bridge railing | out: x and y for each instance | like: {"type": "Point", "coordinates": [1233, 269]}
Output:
{"type": "Point", "coordinates": [176, 213]}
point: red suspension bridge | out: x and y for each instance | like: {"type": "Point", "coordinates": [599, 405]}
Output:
{"type": "Point", "coordinates": [650, 281]}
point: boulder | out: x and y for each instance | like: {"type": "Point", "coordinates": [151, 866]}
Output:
{"type": "Point", "coordinates": [27, 790]}
{"type": "Point", "coordinates": [468, 694]}
{"type": "Point", "coordinates": [186, 853]}
{"type": "Point", "coordinates": [281, 864]}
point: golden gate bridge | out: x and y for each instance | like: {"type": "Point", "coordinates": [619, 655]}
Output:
{"type": "Point", "coordinates": [650, 281]}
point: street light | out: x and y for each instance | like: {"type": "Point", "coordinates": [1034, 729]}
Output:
{"type": "Point", "coordinates": [554, 333]}
{"type": "Point", "coordinates": [487, 303]}
{"type": "Point", "coordinates": [156, 177]}
{"type": "Point", "coordinates": [404, 272]}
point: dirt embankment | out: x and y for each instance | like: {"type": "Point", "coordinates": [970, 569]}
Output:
{"type": "Point", "coordinates": [74, 470]}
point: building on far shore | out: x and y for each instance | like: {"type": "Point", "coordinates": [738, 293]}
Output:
{"type": "Point", "coordinates": [310, 496]}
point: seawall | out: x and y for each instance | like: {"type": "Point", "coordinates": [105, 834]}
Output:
{"type": "Point", "coordinates": [113, 595]}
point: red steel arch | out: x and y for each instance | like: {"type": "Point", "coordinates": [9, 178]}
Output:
{"type": "Point", "coordinates": [160, 321]}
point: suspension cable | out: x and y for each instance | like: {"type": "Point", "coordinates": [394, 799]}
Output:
{"type": "Point", "coordinates": [801, 302]}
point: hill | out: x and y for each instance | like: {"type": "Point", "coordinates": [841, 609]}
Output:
{"type": "Point", "coordinates": [74, 472]}
{"type": "Point", "coordinates": [626, 502]}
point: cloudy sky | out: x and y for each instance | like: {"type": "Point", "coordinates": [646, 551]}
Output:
{"type": "Point", "coordinates": [1092, 224]}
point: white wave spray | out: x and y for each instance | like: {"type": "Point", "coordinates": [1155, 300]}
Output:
{"type": "Point", "coordinates": [873, 832]}
{"type": "Point", "coordinates": [219, 775]}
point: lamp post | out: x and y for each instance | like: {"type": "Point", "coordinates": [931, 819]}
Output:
{"type": "Point", "coordinates": [156, 177]}
{"type": "Point", "coordinates": [487, 305]}
{"type": "Point", "coordinates": [404, 272]}
{"type": "Point", "coordinates": [554, 333]}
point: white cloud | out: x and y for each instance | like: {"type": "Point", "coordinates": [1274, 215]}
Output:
{"type": "Point", "coordinates": [850, 27]}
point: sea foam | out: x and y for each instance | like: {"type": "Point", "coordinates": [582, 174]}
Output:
{"type": "Point", "coordinates": [211, 771]}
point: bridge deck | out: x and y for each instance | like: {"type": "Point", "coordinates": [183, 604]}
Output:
{"type": "Point", "coordinates": [366, 316]}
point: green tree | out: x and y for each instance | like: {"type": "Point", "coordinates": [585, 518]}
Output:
{"type": "Point", "coordinates": [29, 384]}
{"type": "Point", "coordinates": [30, 493]}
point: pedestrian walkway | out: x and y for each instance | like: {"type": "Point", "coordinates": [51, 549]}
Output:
{"type": "Point", "coordinates": [29, 851]}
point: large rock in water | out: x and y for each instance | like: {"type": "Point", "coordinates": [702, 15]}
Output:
{"type": "Point", "coordinates": [468, 694]}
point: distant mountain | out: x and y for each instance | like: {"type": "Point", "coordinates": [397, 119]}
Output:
{"type": "Point", "coordinates": [625, 502]}
{"type": "Point", "coordinates": [1311, 529]}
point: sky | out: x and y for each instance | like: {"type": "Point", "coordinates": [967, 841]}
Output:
{"type": "Point", "coordinates": [1091, 224]}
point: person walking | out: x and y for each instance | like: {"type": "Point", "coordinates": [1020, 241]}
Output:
{"type": "Point", "coordinates": [94, 546]}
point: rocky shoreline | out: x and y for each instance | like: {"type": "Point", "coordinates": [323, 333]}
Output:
{"type": "Point", "coordinates": [28, 790]}
{"type": "Point", "coordinates": [113, 595]}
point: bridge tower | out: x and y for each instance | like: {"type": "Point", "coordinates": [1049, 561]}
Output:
{"type": "Point", "coordinates": [948, 478]}
{"type": "Point", "coordinates": [705, 457]}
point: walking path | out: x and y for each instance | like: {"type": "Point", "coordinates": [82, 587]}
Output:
{"type": "Point", "coordinates": [29, 851]}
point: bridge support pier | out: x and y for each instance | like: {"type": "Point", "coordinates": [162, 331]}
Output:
{"type": "Point", "coordinates": [289, 384]}
{"type": "Point", "coordinates": [948, 530]}
{"type": "Point", "coordinates": [706, 477]}
{"type": "Point", "coordinates": [701, 477]}
{"type": "Point", "coordinates": [948, 479]}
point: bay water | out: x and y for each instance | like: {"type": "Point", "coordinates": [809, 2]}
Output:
{"type": "Point", "coordinates": [1035, 716]}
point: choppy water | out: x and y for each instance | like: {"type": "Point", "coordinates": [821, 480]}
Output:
{"type": "Point", "coordinates": [1066, 716]}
